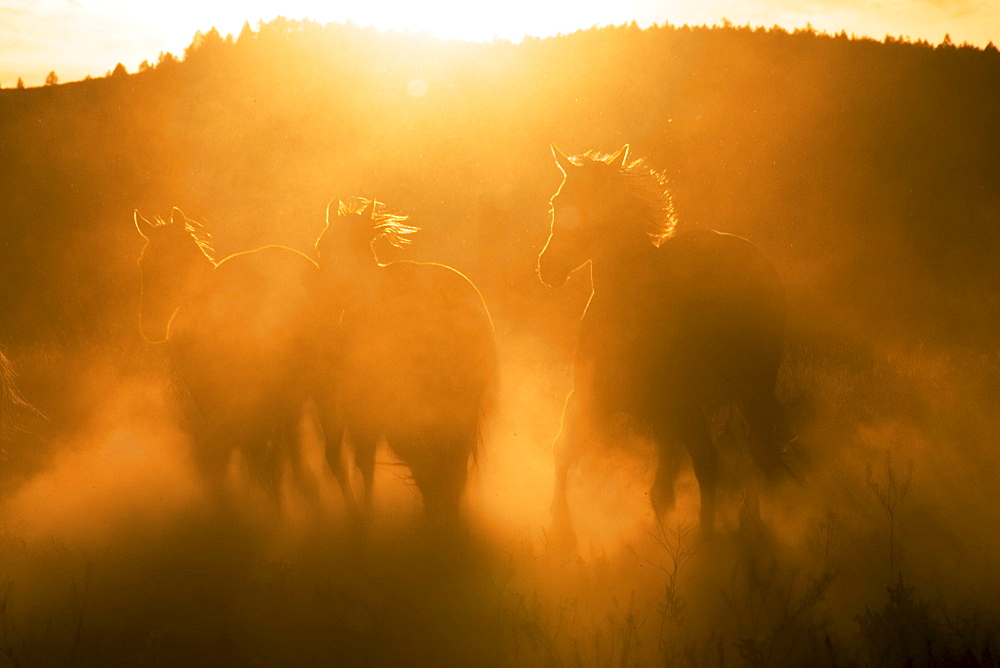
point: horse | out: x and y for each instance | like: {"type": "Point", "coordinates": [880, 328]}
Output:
{"type": "Point", "coordinates": [417, 356]}
{"type": "Point", "coordinates": [681, 325]}
{"type": "Point", "coordinates": [240, 336]}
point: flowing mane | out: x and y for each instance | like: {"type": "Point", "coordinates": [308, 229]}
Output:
{"type": "Point", "coordinates": [197, 229]}
{"type": "Point", "coordinates": [386, 225]}
{"type": "Point", "coordinates": [648, 187]}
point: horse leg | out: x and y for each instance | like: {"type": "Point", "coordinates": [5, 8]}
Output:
{"type": "Point", "coordinates": [574, 428]}
{"type": "Point", "coordinates": [695, 435]}
{"type": "Point", "coordinates": [670, 458]}
{"type": "Point", "coordinates": [331, 422]}
{"type": "Point", "coordinates": [261, 448]}
{"type": "Point", "coordinates": [439, 463]}
{"type": "Point", "coordinates": [211, 449]}
{"type": "Point", "coordinates": [365, 443]}
{"type": "Point", "coordinates": [766, 424]}
{"type": "Point", "coordinates": [293, 443]}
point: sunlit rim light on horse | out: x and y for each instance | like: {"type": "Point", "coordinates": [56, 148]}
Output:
{"type": "Point", "coordinates": [681, 325]}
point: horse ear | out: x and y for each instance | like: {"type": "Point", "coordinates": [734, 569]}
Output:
{"type": "Point", "coordinates": [564, 163]}
{"type": "Point", "coordinates": [364, 209]}
{"type": "Point", "coordinates": [177, 216]}
{"type": "Point", "coordinates": [141, 224]}
{"type": "Point", "coordinates": [329, 205]}
{"type": "Point", "coordinates": [620, 157]}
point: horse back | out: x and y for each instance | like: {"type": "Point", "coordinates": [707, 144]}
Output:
{"type": "Point", "coordinates": [702, 322]}
{"type": "Point", "coordinates": [723, 276]}
{"type": "Point", "coordinates": [420, 347]}
{"type": "Point", "coordinates": [247, 334]}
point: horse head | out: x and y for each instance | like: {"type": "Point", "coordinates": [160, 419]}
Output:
{"type": "Point", "coordinates": [347, 231]}
{"type": "Point", "coordinates": [347, 240]}
{"type": "Point", "coordinates": [583, 210]}
{"type": "Point", "coordinates": [175, 255]}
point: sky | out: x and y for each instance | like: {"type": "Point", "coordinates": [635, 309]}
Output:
{"type": "Point", "coordinates": [75, 38]}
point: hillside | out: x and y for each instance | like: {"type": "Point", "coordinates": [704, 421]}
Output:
{"type": "Point", "coordinates": [867, 170]}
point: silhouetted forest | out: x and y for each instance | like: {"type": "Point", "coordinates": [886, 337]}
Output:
{"type": "Point", "coordinates": [867, 171]}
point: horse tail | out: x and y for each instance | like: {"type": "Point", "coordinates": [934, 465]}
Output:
{"type": "Point", "coordinates": [489, 397]}
{"type": "Point", "coordinates": [488, 401]}
{"type": "Point", "coordinates": [6, 390]}
{"type": "Point", "coordinates": [13, 406]}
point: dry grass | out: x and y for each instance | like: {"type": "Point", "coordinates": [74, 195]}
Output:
{"type": "Point", "coordinates": [797, 575]}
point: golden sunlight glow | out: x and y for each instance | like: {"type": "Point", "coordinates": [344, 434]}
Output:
{"type": "Point", "coordinates": [80, 37]}
{"type": "Point", "coordinates": [88, 37]}
{"type": "Point", "coordinates": [449, 19]}
{"type": "Point", "coordinates": [513, 19]}
{"type": "Point", "coordinates": [285, 377]}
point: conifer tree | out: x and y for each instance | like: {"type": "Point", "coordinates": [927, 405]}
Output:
{"type": "Point", "coordinates": [246, 34]}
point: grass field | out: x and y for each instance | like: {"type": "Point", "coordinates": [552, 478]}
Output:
{"type": "Point", "coordinates": [879, 550]}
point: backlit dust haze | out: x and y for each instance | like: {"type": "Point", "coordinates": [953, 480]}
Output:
{"type": "Point", "coordinates": [864, 170]}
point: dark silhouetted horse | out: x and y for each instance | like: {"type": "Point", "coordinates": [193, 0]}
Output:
{"type": "Point", "coordinates": [680, 325]}
{"type": "Point", "coordinates": [241, 337]}
{"type": "Point", "coordinates": [417, 362]}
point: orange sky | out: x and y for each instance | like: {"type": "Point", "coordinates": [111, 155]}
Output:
{"type": "Point", "coordinates": [79, 37]}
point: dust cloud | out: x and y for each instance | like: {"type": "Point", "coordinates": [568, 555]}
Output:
{"type": "Point", "coordinates": [865, 171]}
{"type": "Point", "coordinates": [111, 552]}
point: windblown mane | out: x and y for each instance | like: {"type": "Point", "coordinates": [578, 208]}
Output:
{"type": "Point", "coordinates": [198, 231]}
{"type": "Point", "coordinates": [648, 187]}
{"type": "Point", "coordinates": [385, 225]}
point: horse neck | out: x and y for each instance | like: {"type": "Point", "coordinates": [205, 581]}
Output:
{"type": "Point", "coordinates": [160, 303]}
{"type": "Point", "coordinates": [620, 267]}
{"type": "Point", "coordinates": [194, 275]}
{"type": "Point", "coordinates": [353, 275]}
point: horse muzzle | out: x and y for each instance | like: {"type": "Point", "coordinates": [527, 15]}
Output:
{"type": "Point", "coordinates": [552, 274]}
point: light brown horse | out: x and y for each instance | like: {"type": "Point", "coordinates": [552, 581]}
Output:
{"type": "Point", "coordinates": [680, 325]}
{"type": "Point", "coordinates": [417, 357]}
{"type": "Point", "coordinates": [241, 335]}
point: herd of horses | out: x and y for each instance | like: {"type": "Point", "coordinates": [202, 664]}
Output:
{"type": "Point", "coordinates": [680, 325]}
